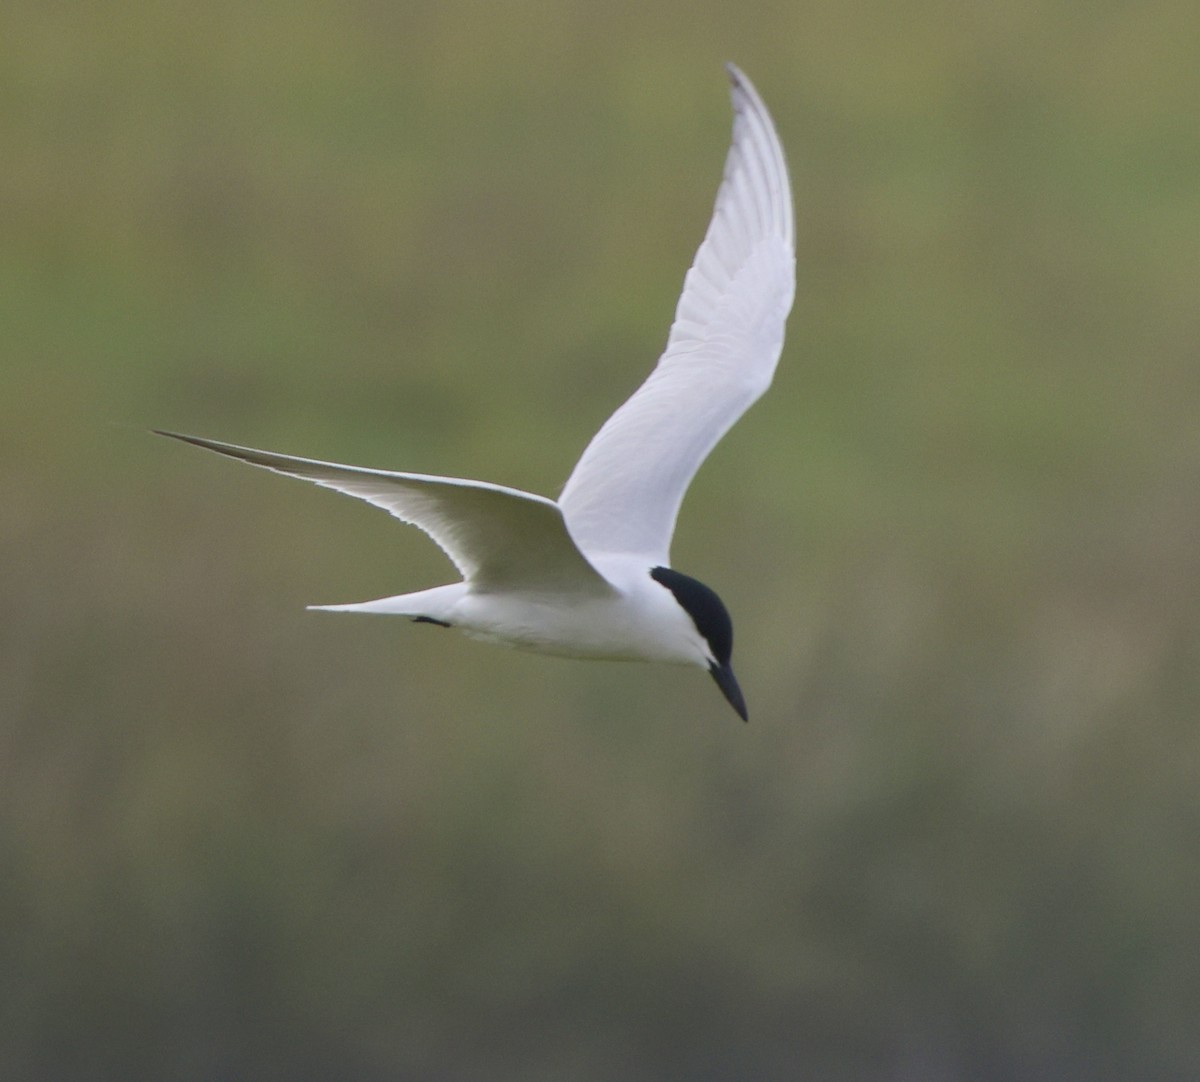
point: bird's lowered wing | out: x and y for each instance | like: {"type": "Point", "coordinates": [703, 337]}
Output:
{"type": "Point", "coordinates": [499, 538]}
{"type": "Point", "coordinates": [625, 492]}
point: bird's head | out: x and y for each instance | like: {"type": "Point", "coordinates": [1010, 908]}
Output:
{"type": "Point", "coordinates": [711, 618]}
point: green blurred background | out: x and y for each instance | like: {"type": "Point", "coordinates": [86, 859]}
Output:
{"type": "Point", "coordinates": [960, 838]}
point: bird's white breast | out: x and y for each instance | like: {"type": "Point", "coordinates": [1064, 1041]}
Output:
{"type": "Point", "coordinates": [640, 621]}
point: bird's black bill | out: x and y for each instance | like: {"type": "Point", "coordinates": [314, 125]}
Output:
{"type": "Point", "coordinates": [728, 684]}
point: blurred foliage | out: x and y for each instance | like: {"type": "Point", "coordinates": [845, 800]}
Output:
{"type": "Point", "coordinates": [960, 539]}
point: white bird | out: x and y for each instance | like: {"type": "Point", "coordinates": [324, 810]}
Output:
{"type": "Point", "coordinates": [590, 575]}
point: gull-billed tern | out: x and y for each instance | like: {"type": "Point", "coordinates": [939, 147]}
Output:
{"type": "Point", "coordinates": [590, 575]}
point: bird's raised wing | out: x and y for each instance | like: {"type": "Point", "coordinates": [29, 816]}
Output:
{"type": "Point", "coordinates": [625, 491]}
{"type": "Point", "coordinates": [499, 538]}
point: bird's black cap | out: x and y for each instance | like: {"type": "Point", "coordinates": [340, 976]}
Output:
{"type": "Point", "coordinates": [712, 620]}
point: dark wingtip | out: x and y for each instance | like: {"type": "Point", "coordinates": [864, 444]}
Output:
{"type": "Point", "coordinates": [195, 440]}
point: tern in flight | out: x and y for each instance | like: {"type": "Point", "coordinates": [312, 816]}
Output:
{"type": "Point", "coordinates": [589, 576]}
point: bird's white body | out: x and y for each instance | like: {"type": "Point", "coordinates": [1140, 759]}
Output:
{"type": "Point", "coordinates": [637, 620]}
{"type": "Point", "coordinates": [589, 576]}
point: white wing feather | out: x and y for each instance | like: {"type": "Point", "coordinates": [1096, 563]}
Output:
{"type": "Point", "coordinates": [499, 538]}
{"type": "Point", "coordinates": [624, 494]}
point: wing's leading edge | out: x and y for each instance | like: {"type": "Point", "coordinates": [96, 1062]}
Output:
{"type": "Point", "coordinates": [624, 494]}
{"type": "Point", "coordinates": [499, 538]}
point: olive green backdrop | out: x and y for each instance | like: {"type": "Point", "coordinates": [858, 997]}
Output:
{"type": "Point", "coordinates": [959, 839]}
